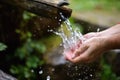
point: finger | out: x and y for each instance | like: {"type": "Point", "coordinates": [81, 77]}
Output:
{"type": "Point", "coordinates": [80, 59]}
{"type": "Point", "coordinates": [84, 57]}
{"type": "Point", "coordinates": [80, 50]}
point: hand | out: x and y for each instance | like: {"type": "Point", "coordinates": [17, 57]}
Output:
{"type": "Point", "coordinates": [90, 50]}
{"type": "Point", "coordinates": [96, 44]}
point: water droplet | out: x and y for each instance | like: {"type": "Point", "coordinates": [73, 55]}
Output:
{"type": "Point", "coordinates": [50, 30]}
{"type": "Point", "coordinates": [98, 29]}
{"type": "Point", "coordinates": [60, 20]}
{"type": "Point", "coordinates": [41, 72]}
{"type": "Point", "coordinates": [91, 75]}
{"type": "Point", "coordinates": [48, 77]}
{"type": "Point", "coordinates": [32, 70]}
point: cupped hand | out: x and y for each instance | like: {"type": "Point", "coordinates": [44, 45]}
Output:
{"type": "Point", "coordinates": [90, 50]}
{"type": "Point", "coordinates": [96, 43]}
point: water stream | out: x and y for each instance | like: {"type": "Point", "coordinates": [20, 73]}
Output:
{"type": "Point", "coordinates": [70, 41]}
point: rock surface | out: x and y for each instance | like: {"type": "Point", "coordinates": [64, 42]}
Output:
{"type": "Point", "coordinates": [4, 76]}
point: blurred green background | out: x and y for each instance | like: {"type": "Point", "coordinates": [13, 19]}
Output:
{"type": "Point", "coordinates": [27, 57]}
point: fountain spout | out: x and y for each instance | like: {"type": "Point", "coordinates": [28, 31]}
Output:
{"type": "Point", "coordinates": [42, 8]}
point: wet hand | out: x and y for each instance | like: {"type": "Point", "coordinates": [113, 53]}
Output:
{"type": "Point", "coordinates": [90, 50]}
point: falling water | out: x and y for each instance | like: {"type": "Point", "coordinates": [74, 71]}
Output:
{"type": "Point", "coordinates": [71, 41]}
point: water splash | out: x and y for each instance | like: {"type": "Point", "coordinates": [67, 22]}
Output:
{"type": "Point", "coordinates": [71, 41]}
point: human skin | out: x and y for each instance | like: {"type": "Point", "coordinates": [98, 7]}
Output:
{"type": "Point", "coordinates": [96, 44]}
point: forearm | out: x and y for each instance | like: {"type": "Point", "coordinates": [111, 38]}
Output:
{"type": "Point", "coordinates": [113, 36]}
{"type": "Point", "coordinates": [114, 41]}
{"type": "Point", "coordinates": [111, 31]}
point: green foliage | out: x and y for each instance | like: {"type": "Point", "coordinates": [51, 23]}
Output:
{"type": "Point", "coordinates": [107, 73]}
{"type": "Point", "coordinates": [2, 46]}
{"type": "Point", "coordinates": [30, 46]}
{"type": "Point", "coordinates": [29, 54]}
{"type": "Point", "coordinates": [83, 5]}
{"type": "Point", "coordinates": [27, 15]}
{"type": "Point", "coordinates": [22, 72]}
{"type": "Point", "coordinates": [32, 61]}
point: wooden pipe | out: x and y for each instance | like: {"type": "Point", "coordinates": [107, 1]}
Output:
{"type": "Point", "coordinates": [42, 8]}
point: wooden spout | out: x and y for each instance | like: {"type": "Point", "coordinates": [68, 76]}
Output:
{"type": "Point", "coordinates": [41, 8]}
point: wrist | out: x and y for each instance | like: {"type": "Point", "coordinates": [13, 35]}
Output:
{"type": "Point", "coordinates": [106, 42]}
{"type": "Point", "coordinates": [113, 41]}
